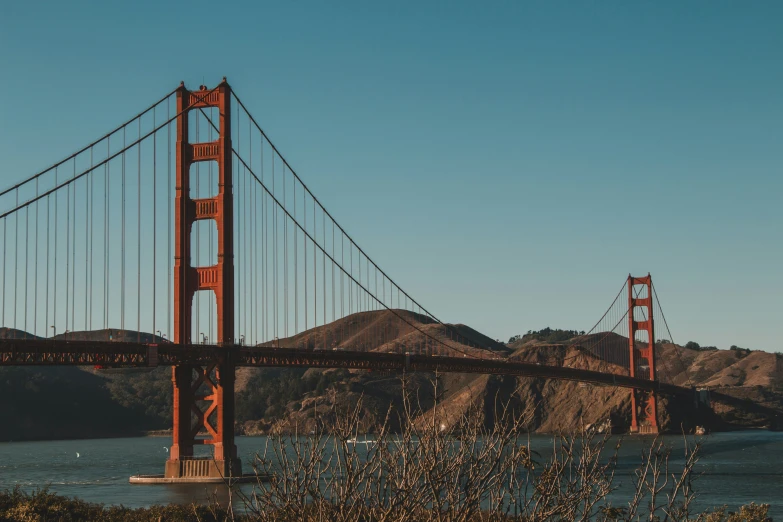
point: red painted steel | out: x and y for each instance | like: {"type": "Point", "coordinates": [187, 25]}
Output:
{"type": "Point", "coordinates": [195, 411]}
{"type": "Point", "coordinates": [644, 410]}
{"type": "Point", "coordinates": [44, 352]}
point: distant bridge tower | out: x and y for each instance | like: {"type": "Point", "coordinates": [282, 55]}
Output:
{"type": "Point", "coordinates": [204, 396]}
{"type": "Point", "coordinates": [644, 410]}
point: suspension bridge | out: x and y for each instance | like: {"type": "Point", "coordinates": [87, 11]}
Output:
{"type": "Point", "coordinates": [184, 238]}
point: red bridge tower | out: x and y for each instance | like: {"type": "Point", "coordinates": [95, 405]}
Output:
{"type": "Point", "coordinates": [644, 411]}
{"type": "Point", "coordinates": [204, 396]}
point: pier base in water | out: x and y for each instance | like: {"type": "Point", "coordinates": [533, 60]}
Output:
{"type": "Point", "coordinates": [203, 467]}
{"type": "Point", "coordinates": [161, 479]}
{"type": "Point", "coordinates": [645, 430]}
{"type": "Point", "coordinates": [197, 470]}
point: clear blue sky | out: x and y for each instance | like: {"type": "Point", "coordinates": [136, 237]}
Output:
{"type": "Point", "coordinates": [508, 165]}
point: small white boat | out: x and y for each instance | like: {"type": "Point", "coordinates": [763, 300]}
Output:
{"type": "Point", "coordinates": [355, 441]}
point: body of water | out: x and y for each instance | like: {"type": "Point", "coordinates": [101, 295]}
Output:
{"type": "Point", "coordinates": [736, 468]}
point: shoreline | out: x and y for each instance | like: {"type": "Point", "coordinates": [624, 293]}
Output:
{"type": "Point", "coordinates": [167, 433]}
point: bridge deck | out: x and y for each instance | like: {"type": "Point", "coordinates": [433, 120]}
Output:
{"type": "Point", "coordinates": [20, 352]}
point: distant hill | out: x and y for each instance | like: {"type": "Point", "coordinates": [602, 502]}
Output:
{"type": "Point", "coordinates": [384, 331]}
{"type": "Point", "coordinates": [80, 402]}
{"type": "Point", "coordinates": [68, 402]}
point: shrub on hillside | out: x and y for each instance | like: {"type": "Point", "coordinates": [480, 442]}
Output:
{"type": "Point", "coordinates": [547, 335]}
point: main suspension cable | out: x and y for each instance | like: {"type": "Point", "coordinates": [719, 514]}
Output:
{"type": "Point", "coordinates": [88, 147]}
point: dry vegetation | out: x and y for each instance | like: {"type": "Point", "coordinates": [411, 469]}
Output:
{"type": "Point", "coordinates": [463, 471]}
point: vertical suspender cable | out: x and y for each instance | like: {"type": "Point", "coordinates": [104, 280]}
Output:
{"type": "Point", "coordinates": [241, 218]}
{"type": "Point", "coordinates": [365, 294]}
{"type": "Point", "coordinates": [48, 227]}
{"type": "Point", "coordinates": [253, 260]}
{"type": "Point", "coordinates": [323, 262]}
{"type": "Point", "coordinates": [373, 295]}
{"type": "Point", "coordinates": [366, 283]}
{"type": "Point", "coordinates": [240, 271]}
{"type": "Point", "coordinates": [73, 255]}
{"type": "Point", "coordinates": [256, 288]}
{"type": "Point", "coordinates": [26, 263]}
{"type": "Point", "coordinates": [342, 285]}
{"type": "Point", "coordinates": [368, 293]}
{"type": "Point", "coordinates": [122, 235]}
{"type": "Point", "coordinates": [138, 232]}
{"type": "Point", "coordinates": [248, 258]}
{"type": "Point", "coordinates": [250, 288]}
{"type": "Point", "coordinates": [274, 248]}
{"type": "Point", "coordinates": [296, 269]}
{"type": "Point", "coordinates": [304, 207]}
{"type": "Point", "coordinates": [315, 272]}
{"type": "Point", "coordinates": [238, 256]}
{"type": "Point", "coordinates": [251, 195]}
{"type": "Point", "coordinates": [154, 217]}
{"type": "Point", "coordinates": [86, 240]}
{"type": "Point", "coordinates": [92, 228]}
{"type": "Point", "coordinates": [16, 258]}
{"type": "Point", "coordinates": [342, 275]}
{"type": "Point", "coordinates": [5, 237]}
{"type": "Point", "coordinates": [170, 258]}
{"type": "Point", "coordinates": [350, 282]}
{"type": "Point", "coordinates": [56, 220]}
{"type": "Point", "coordinates": [237, 236]}
{"type": "Point", "coordinates": [105, 241]}
{"type": "Point", "coordinates": [68, 249]}
{"type": "Point", "coordinates": [246, 245]}
{"type": "Point", "coordinates": [35, 254]}
{"type": "Point", "coordinates": [260, 250]}
{"type": "Point", "coordinates": [285, 255]}
{"type": "Point", "coordinates": [333, 257]}
{"type": "Point", "coordinates": [264, 254]}
{"type": "Point", "coordinates": [238, 239]}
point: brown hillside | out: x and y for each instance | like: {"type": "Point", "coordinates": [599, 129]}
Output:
{"type": "Point", "coordinates": [11, 333]}
{"type": "Point", "coordinates": [553, 405]}
{"type": "Point", "coordinates": [717, 368]}
{"type": "Point", "coordinates": [387, 331]}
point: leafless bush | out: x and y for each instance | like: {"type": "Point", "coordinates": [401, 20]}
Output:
{"type": "Point", "coordinates": [466, 470]}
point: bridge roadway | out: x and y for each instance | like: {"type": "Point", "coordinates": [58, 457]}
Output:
{"type": "Point", "coordinates": [43, 352]}
{"type": "Point", "coordinates": [111, 354]}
